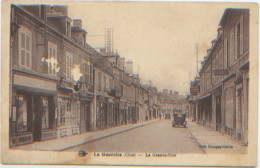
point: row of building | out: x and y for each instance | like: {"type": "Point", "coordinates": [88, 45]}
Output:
{"type": "Point", "coordinates": [219, 96]}
{"type": "Point", "coordinates": [61, 86]}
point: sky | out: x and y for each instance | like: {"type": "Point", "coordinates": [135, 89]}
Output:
{"type": "Point", "coordinates": [159, 37]}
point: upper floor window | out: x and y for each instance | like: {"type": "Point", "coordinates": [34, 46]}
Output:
{"type": "Point", "coordinates": [52, 59]}
{"type": "Point", "coordinates": [240, 37]}
{"type": "Point", "coordinates": [111, 83]}
{"type": "Point", "coordinates": [99, 81]}
{"type": "Point", "coordinates": [91, 74]}
{"type": "Point", "coordinates": [231, 48]}
{"type": "Point", "coordinates": [68, 29]}
{"type": "Point", "coordinates": [25, 47]}
{"type": "Point", "coordinates": [105, 83]}
{"type": "Point", "coordinates": [85, 71]}
{"type": "Point", "coordinates": [69, 65]}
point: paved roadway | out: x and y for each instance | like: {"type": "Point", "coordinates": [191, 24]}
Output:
{"type": "Point", "coordinates": [158, 136]}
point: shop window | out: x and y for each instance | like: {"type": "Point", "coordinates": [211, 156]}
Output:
{"type": "Point", "coordinates": [52, 59]}
{"type": "Point", "coordinates": [62, 113]}
{"type": "Point", "coordinates": [69, 112]}
{"type": "Point", "coordinates": [25, 47]}
{"type": "Point", "coordinates": [45, 114]}
{"type": "Point", "coordinates": [22, 114]}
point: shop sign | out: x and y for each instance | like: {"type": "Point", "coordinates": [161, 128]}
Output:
{"type": "Point", "coordinates": [34, 82]}
{"type": "Point", "coordinates": [220, 71]}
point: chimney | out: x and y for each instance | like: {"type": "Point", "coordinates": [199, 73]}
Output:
{"type": "Point", "coordinates": [176, 93]}
{"type": "Point", "coordinates": [208, 51]}
{"type": "Point", "coordinates": [171, 92]}
{"type": "Point", "coordinates": [129, 67]}
{"type": "Point", "coordinates": [103, 51]}
{"type": "Point", "coordinates": [213, 42]}
{"type": "Point", "coordinates": [57, 17]}
{"type": "Point", "coordinates": [165, 91]}
{"type": "Point", "coordinates": [78, 23]}
{"type": "Point", "coordinates": [62, 9]}
{"type": "Point", "coordinates": [121, 64]}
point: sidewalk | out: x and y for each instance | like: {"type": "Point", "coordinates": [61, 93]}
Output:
{"type": "Point", "coordinates": [213, 142]}
{"type": "Point", "coordinates": [60, 144]}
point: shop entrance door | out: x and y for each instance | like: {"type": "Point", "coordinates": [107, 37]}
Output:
{"type": "Point", "coordinates": [37, 119]}
{"type": "Point", "coordinates": [218, 113]}
{"type": "Point", "coordinates": [87, 117]}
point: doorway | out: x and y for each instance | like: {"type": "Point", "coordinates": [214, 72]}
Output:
{"type": "Point", "coordinates": [218, 113]}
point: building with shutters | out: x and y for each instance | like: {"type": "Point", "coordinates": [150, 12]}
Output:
{"type": "Point", "coordinates": [224, 79]}
{"type": "Point", "coordinates": [51, 75]}
{"type": "Point", "coordinates": [61, 86]}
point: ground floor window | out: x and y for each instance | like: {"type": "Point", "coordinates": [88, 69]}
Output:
{"type": "Point", "coordinates": [45, 113]}
{"type": "Point", "coordinates": [68, 112]}
{"type": "Point", "coordinates": [22, 114]}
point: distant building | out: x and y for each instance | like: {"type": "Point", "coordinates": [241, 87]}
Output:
{"type": "Point", "coordinates": [171, 102]}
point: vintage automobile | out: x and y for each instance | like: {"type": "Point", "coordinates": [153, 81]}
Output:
{"type": "Point", "coordinates": [167, 116]}
{"type": "Point", "coordinates": [179, 119]}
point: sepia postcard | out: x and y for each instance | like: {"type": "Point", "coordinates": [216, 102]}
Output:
{"type": "Point", "coordinates": [129, 83]}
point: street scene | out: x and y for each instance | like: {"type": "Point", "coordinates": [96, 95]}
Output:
{"type": "Point", "coordinates": [78, 82]}
{"type": "Point", "coordinates": [158, 136]}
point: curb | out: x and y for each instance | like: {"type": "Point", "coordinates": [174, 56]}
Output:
{"type": "Point", "coordinates": [196, 140]}
{"type": "Point", "coordinates": [62, 149]}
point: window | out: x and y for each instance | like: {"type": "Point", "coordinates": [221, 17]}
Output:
{"type": "Point", "coordinates": [105, 83]}
{"type": "Point", "coordinates": [238, 40]}
{"type": "Point", "coordinates": [91, 74]}
{"type": "Point", "coordinates": [52, 59]}
{"type": "Point", "coordinates": [68, 29]}
{"type": "Point", "coordinates": [69, 63]}
{"type": "Point", "coordinates": [240, 37]}
{"type": "Point", "coordinates": [22, 114]}
{"type": "Point", "coordinates": [62, 112]}
{"type": "Point", "coordinates": [45, 114]}
{"type": "Point", "coordinates": [122, 90]}
{"type": "Point", "coordinates": [111, 83]}
{"type": "Point", "coordinates": [226, 58]}
{"type": "Point", "coordinates": [99, 81]}
{"type": "Point", "coordinates": [69, 112]}
{"type": "Point", "coordinates": [75, 113]}
{"type": "Point", "coordinates": [25, 47]}
{"type": "Point", "coordinates": [85, 71]}
{"type": "Point", "coordinates": [231, 48]}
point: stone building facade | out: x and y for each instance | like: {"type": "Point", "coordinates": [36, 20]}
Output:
{"type": "Point", "coordinates": [62, 86]}
{"type": "Point", "coordinates": [224, 79]}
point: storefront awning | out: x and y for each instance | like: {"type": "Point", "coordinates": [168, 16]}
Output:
{"type": "Point", "coordinates": [34, 90]}
{"type": "Point", "coordinates": [205, 96]}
